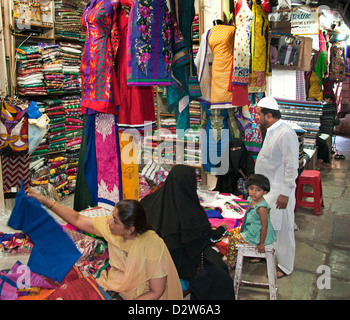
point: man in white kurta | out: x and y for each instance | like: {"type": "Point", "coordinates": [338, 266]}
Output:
{"type": "Point", "coordinates": [278, 161]}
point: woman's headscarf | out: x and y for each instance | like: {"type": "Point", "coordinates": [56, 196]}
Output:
{"type": "Point", "coordinates": [175, 212]}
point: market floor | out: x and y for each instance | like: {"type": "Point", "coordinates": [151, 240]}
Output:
{"type": "Point", "coordinates": [322, 257]}
{"type": "Point", "coordinates": [322, 243]}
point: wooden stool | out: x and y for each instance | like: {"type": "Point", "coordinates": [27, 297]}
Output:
{"type": "Point", "coordinates": [247, 250]}
{"type": "Point", "coordinates": [312, 178]}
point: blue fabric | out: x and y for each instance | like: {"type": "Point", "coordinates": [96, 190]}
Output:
{"type": "Point", "coordinates": [33, 111]}
{"type": "Point", "coordinates": [54, 253]}
{"type": "Point", "coordinates": [90, 162]}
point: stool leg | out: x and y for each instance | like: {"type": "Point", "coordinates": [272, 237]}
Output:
{"type": "Point", "coordinates": [317, 198]}
{"type": "Point", "coordinates": [238, 273]}
{"type": "Point", "coordinates": [271, 273]}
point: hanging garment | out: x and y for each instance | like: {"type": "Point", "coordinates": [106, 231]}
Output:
{"type": "Point", "coordinates": [99, 81]}
{"type": "Point", "coordinates": [108, 162]}
{"type": "Point", "coordinates": [54, 253]}
{"type": "Point", "coordinates": [338, 66]}
{"type": "Point", "coordinates": [129, 166]}
{"type": "Point", "coordinates": [136, 103]}
{"type": "Point", "coordinates": [149, 44]}
{"type": "Point", "coordinates": [252, 135]}
{"type": "Point", "coordinates": [221, 40]}
{"type": "Point", "coordinates": [13, 128]}
{"type": "Point", "coordinates": [184, 84]}
{"type": "Point", "coordinates": [241, 54]}
{"type": "Point", "coordinates": [260, 48]}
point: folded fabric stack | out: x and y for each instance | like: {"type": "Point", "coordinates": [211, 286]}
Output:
{"type": "Point", "coordinates": [30, 77]}
{"type": "Point", "coordinates": [195, 27]}
{"type": "Point", "coordinates": [57, 131]}
{"type": "Point", "coordinates": [52, 65]}
{"type": "Point", "coordinates": [71, 60]}
{"type": "Point", "coordinates": [74, 131]}
{"type": "Point", "coordinates": [192, 147]}
{"type": "Point", "coordinates": [39, 171]}
{"type": "Point", "coordinates": [195, 115]}
{"type": "Point", "coordinates": [58, 175]}
{"type": "Point", "coordinates": [67, 18]}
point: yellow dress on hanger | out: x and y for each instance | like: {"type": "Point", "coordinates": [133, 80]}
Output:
{"type": "Point", "coordinates": [260, 48]}
{"type": "Point", "coordinates": [221, 40]}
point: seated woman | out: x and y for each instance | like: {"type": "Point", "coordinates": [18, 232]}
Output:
{"type": "Point", "coordinates": [141, 266]}
{"type": "Point", "coordinates": [175, 212]}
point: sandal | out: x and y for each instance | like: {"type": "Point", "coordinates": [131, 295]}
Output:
{"type": "Point", "coordinates": [339, 157]}
{"type": "Point", "coordinates": [282, 273]}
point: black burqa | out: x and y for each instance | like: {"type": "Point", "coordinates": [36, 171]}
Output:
{"type": "Point", "coordinates": [241, 165]}
{"type": "Point", "coordinates": [175, 212]}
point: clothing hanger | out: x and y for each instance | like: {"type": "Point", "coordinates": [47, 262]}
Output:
{"type": "Point", "coordinates": [217, 21]}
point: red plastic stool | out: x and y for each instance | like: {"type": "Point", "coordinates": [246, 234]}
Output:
{"type": "Point", "coordinates": [313, 178]}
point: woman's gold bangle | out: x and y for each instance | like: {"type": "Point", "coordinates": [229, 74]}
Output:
{"type": "Point", "coordinates": [53, 203]}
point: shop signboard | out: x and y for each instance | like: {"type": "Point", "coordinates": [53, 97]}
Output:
{"type": "Point", "coordinates": [305, 23]}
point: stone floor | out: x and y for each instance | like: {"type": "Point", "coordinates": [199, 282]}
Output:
{"type": "Point", "coordinates": [322, 244]}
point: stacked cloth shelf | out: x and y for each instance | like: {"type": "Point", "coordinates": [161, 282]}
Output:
{"type": "Point", "coordinates": [74, 131]}
{"type": "Point", "coordinates": [52, 68]}
{"type": "Point", "coordinates": [57, 131]}
{"type": "Point", "coordinates": [306, 114]}
{"type": "Point", "coordinates": [71, 59]}
{"type": "Point", "coordinates": [328, 118]}
{"type": "Point", "coordinates": [67, 18]}
{"type": "Point", "coordinates": [195, 27]}
{"type": "Point", "coordinates": [30, 75]}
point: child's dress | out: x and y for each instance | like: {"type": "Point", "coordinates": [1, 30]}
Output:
{"type": "Point", "coordinates": [249, 231]}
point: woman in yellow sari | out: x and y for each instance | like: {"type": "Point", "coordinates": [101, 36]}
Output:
{"type": "Point", "coordinates": [141, 265]}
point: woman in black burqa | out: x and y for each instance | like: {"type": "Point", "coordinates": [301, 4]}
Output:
{"type": "Point", "coordinates": [175, 212]}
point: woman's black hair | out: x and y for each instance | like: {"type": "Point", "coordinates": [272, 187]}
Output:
{"type": "Point", "coordinates": [259, 180]}
{"type": "Point", "coordinates": [132, 214]}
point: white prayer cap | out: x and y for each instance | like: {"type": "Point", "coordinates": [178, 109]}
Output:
{"type": "Point", "coordinates": [268, 103]}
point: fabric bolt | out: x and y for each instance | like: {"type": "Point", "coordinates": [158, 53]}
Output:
{"type": "Point", "coordinates": [149, 44]}
{"type": "Point", "coordinates": [241, 54]}
{"type": "Point", "coordinates": [54, 253]}
{"type": "Point", "coordinates": [99, 81]}
{"type": "Point", "coordinates": [221, 41]}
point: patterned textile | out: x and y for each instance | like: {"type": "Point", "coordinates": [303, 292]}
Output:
{"type": "Point", "coordinates": [149, 44]}
{"type": "Point", "coordinates": [241, 54]}
{"type": "Point", "coordinates": [301, 86]}
{"type": "Point", "coordinates": [221, 40]}
{"type": "Point", "coordinates": [338, 66]}
{"type": "Point", "coordinates": [13, 128]}
{"type": "Point", "coordinates": [15, 169]}
{"type": "Point", "coordinates": [136, 102]}
{"type": "Point", "coordinates": [129, 166]}
{"type": "Point", "coordinates": [235, 238]}
{"type": "Point", "coordinates": [260, 48]}
{"type": "Point", "coordinates": [98, 76]}
{"type": "Point", "coordinates": [252, 135]}
{"type": "Point", "coordinates": [77, 287]}
{"type": "Point", "coordinates": [109, 177]}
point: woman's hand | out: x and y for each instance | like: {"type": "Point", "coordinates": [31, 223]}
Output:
{"type": "Point", "coordinates": [38, 196]}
